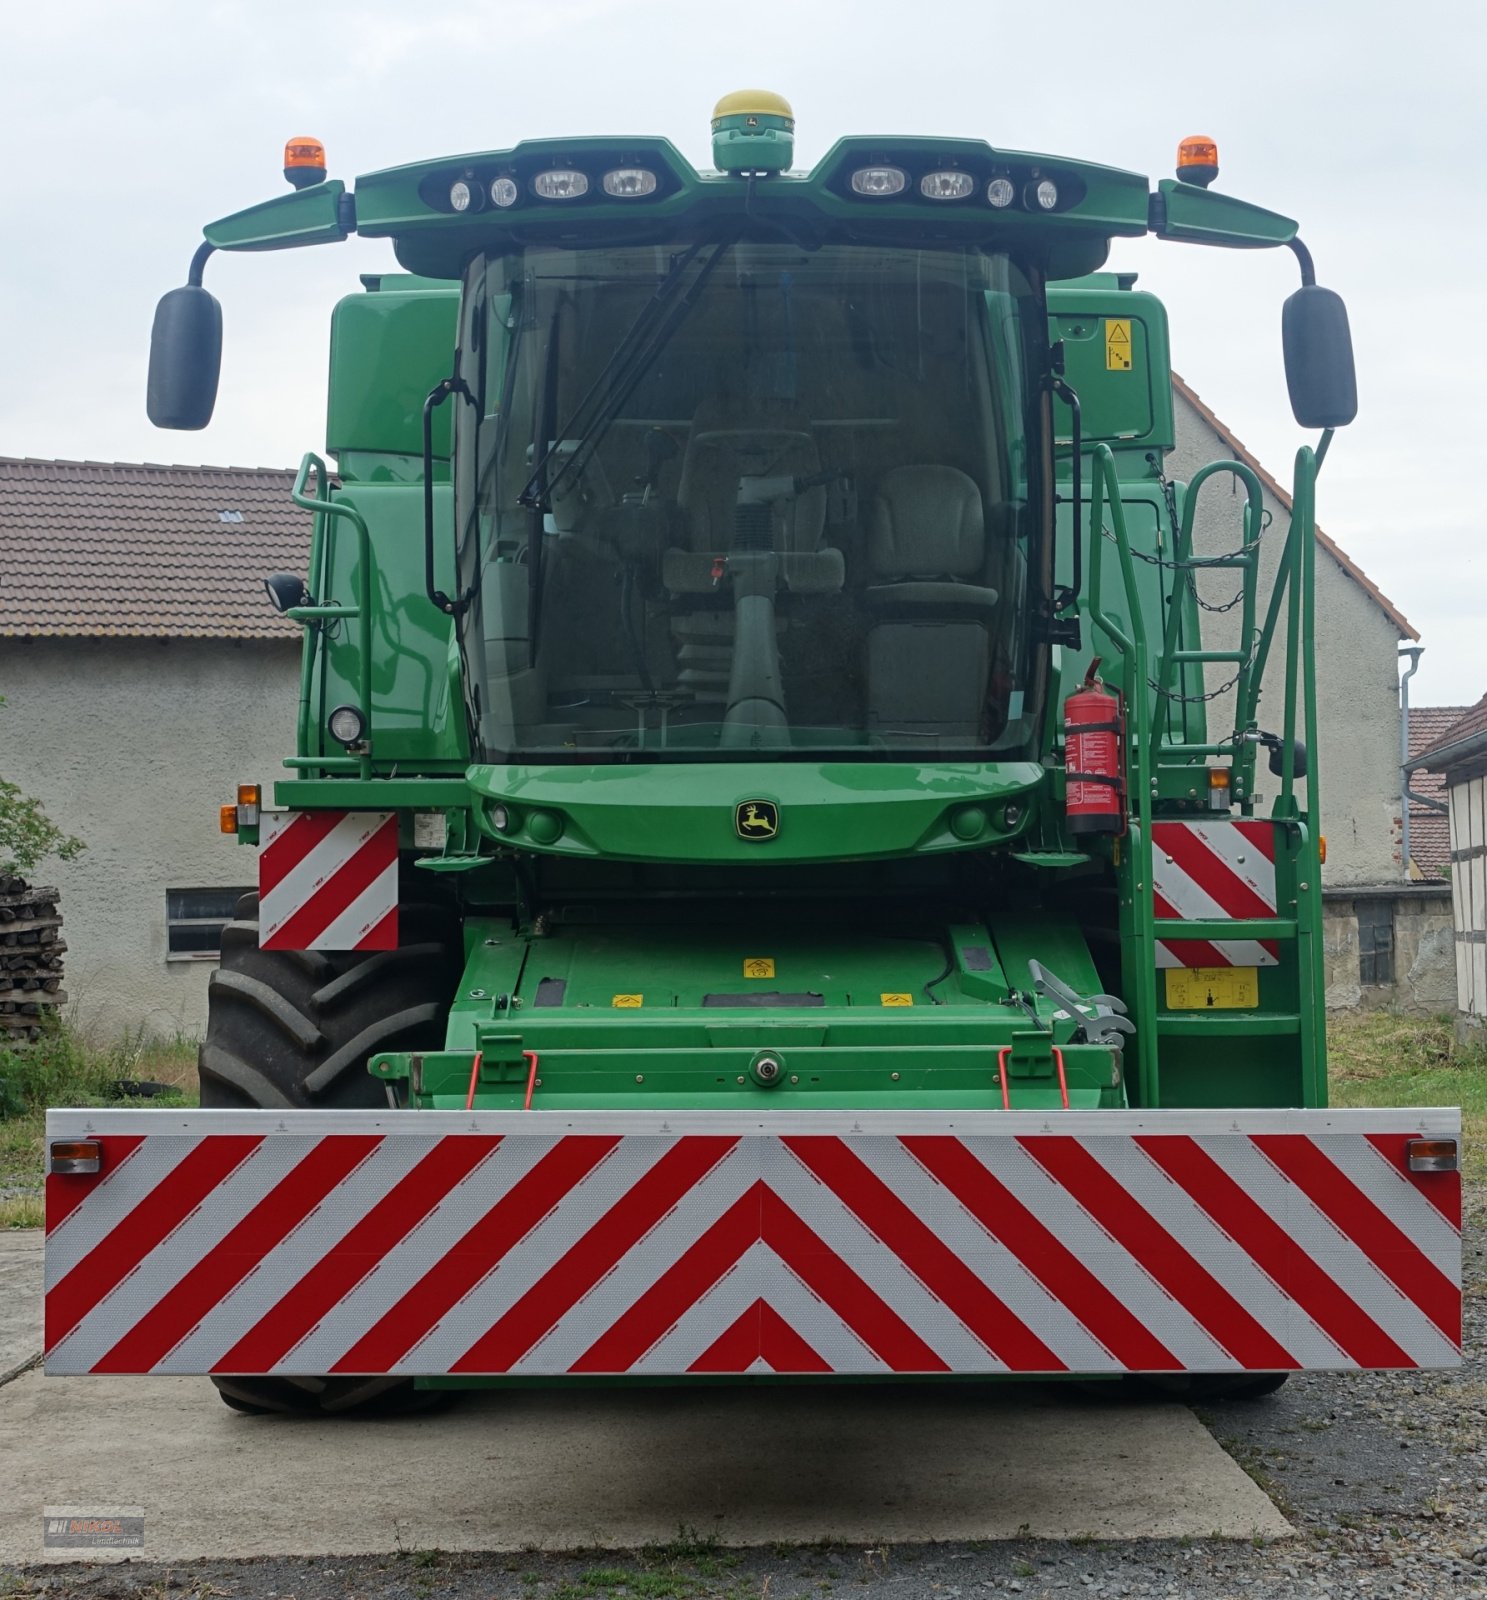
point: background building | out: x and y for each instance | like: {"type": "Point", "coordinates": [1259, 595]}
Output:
{"type": "Point", "coordinates": [146, 674]}
{"type": "Point", "coordinates": [1460, 757]}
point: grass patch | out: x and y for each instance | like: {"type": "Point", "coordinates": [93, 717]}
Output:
{"type": "Point", "coordinates": [63, 1069]}
{"type": "Point", "coordinates": [1382, 1059]}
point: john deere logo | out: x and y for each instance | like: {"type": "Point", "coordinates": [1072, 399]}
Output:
{"type": "Point", "coordinates": [756, 819]}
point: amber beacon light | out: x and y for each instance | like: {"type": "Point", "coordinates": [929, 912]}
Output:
{"type": "Point", "coordinates": [1198, 160]}
{"type": "Point", "coordinates": [304, 162]}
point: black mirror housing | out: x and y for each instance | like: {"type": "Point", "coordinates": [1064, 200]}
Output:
{"type": "Point", "coordinates": [185, 359]}
{"type": "Point", "coordinates": [1318, 346]}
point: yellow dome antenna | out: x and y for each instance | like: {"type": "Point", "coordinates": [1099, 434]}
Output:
{"type": "Point", "coordinates": [753, 131]}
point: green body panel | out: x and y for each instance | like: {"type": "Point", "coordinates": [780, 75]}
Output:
{"type": "Point", "coordinates": [877, 944]}
{"type": "Point", "coordinates": [416, 714]}
{"type": "Point", "coordinates": [387, 350]}
{"type": "Point", "coordinates": [827, 811]}
{"type": "Point", "coordinates": [1124, 408]}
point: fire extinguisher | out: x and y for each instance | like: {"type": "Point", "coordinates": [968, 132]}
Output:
{"type": "Point", "coordinates": [1094, 739]}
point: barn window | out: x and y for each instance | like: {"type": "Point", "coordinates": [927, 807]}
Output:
{"type": "Point", "coordinates": [194, 919]}
{"type": "Point", "coordinates": [1375, 941]}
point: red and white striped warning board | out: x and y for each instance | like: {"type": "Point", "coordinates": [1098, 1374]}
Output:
{"type": "Point", "coordinates": [553, 1243]}
{"type": "Point", "coordinates": [1209, 870]}
{"type": "Point", "coordinates": [328, 880]}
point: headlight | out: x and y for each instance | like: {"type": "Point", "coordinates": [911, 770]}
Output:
{"type": "Point", "coordinates": [562, 183]}
{"type": "Point", "coordinates": [1042, 194]}
{"type": "Point", "coordinates": [346, 725]}
{"type": "Point", "coordinates": [946, 185]}
{"type": "Point", "coordinates": [1001, 192]}
{"type": "Point", "coordinates": [466, 195]}
{"type": "Point", "coordinates": [629, 183]}
{"type": "Point", "coordinates": [504, 192]}
{"type": "Point", "coordinates": [879, 180]}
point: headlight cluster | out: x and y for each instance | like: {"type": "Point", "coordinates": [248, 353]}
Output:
{"type": "Point", "coordinates": [469, 193]}
{"type": "Point", "coordinates": [953, 184]}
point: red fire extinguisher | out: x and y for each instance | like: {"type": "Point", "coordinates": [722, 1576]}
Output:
{"type": "Point", "coordinates": [1094, 737]}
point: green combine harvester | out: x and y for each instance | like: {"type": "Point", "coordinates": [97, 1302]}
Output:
{"type": "Point", "coordinates": [757, 798]}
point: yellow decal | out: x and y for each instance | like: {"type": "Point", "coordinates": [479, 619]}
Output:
{"type": "Point", "coordinates": [758, 966]}
{"type": "Point", "coordinates": [628, 1001]}
{"type": "Point", "coordinates": [1117, 344]}
{"type": "Point", "coordinates": [896, 999]}
{"type": "Point", "coordinates": [1212, 988]}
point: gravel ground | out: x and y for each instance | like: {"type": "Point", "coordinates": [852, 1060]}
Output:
{"type": "Point", "coordinates": [1384, 1477]}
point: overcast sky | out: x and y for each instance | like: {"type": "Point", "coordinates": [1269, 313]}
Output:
{"type": "Point", "coordinates": [124, 129]}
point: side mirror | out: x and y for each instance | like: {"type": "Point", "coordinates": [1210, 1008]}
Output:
{"type": "Point", "coordinates": [1319, 358]}
{"type": "Point", "coordinates": [185, 359]}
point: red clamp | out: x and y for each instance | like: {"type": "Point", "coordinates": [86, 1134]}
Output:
{"type": "Point", "coordinates": [1058, 1061]}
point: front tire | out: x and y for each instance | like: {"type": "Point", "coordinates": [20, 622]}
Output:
{"type": "Point", "coordinates": [293, 1030]}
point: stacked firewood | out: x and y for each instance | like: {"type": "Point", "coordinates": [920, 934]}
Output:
{"type": "Point", "coordinates": [31, 950]}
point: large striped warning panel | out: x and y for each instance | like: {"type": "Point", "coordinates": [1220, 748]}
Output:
{"type": "Point", "coordinates": [552, 1243]}
{"type": "Point", "coordinates": [328, 880]}
{"type": "Point", "coordinates": [1218, 869]}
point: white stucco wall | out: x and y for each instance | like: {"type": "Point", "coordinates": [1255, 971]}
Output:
{"type": "Point", "coordinates": [133, 745]}
{"type": "Point", "coordinates": [1357, 670]}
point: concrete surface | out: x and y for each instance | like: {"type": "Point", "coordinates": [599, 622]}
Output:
{"type": "Point", "coordinates": [614, 1468]}
{"type": "Point", "coordinates": [20, 1300]}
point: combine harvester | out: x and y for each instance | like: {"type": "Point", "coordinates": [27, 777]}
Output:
{"type": "Point", "coordinates": [758, 891]}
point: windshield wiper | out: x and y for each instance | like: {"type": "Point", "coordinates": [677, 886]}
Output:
{"type": "Point", "coordinates": [633, 357]}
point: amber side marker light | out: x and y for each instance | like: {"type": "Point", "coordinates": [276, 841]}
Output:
{"type": "Point", "coordinates": [248, 804]}
{"type": "Point", "coordinates": [227, 819]}
{"type": "Point", "coordinates": [1198, 160]}
{"type": "Point", "coordinates": [304, 162]}
{"type": "Point", "coordinates": [1433, 1155]}
{"type": "Point", "coordinates": [74, 1155]}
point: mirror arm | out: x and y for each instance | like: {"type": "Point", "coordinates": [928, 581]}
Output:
{"type": "Point", "coordinates": [198, 264]}
{"type": "Point", "coordinates": [1303, 259]}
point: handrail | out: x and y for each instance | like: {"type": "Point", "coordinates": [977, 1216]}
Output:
{"type": "Point", "coordinates": [1134, 689]}
{"type": "Point", "coordinates": [323, 506]}
{"type": "Point", "coordinates": [1246, 558]}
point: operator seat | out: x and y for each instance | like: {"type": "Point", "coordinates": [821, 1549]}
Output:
{"type": "Point", "coordinates": [730, 440]}
{"type": "Point", "coordinates": [929, 640]}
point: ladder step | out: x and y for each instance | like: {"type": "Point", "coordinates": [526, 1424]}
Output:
{"type": "Point", "coordinates": [1225, 928]}
{"type": "Point", "coordinates": [1227, 1020]}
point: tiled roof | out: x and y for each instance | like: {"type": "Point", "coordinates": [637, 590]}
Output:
{"type": "Point", "coordinates": [1338, 554]}
{"type": "Point", "coordinates": [1469, 729]}
{"type": "Point", "coordinates": [1430, 833]}
{"type": "Point", "coordinates": [96, 549]}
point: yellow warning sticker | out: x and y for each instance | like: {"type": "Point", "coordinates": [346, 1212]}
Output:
{"type": "Point", "coordinates": [628, 1001]}
{"type": "Point", "coordinates": [1117, 344]}
{"type": "Point", "coordinates": [758, 966]}
{"type": "Point", "coordinates": [1212, 988]}
{"type": "Point", "coordinates": [896, 999]}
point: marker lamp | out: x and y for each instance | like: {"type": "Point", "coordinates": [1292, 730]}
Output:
{"type": "Point", "coordinates": [879, 180]}
{"type": "Point", "coordinates": [1218, 788]}
{"type": "Point", "coordinates": [629, 183]}
{"type": "Point", "coordinates": [249, 799]}
{"type": "Point", "coordinates": [504, 192]}
{"type": "Point", "coordinates": [346, 725]}
{"type": "Point", "coordinates": [1042, 194]}
{"type": "Point", "coordinates": [1001, 192]}
{"type": "Point", "coordinates": [562, 183]}
{"type": "Point", "coordinates": [1430, 1155]}
{"type": "Point", "coordinates": [946, 185]}
{"type": "Point", "coordinates": [74, 1155]}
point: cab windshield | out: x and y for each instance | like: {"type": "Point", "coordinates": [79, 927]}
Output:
{"type": "Point", "coordinates": [745, 498]}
